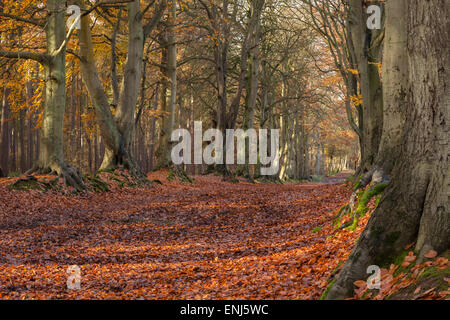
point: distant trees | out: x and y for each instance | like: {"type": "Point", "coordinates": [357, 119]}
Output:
{"type": "Point", "coordinates": [137, 70]}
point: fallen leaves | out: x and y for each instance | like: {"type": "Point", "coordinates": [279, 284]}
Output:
{"type": "Point", "coordinates": [396, 283]}
{"type": "Point", "coordinates": [430, 254]}
{"type": "Point", "coordinates": [208, 240]}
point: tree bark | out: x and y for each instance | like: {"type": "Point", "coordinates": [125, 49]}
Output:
{"type": "Point", "coordinates": [117, 131]}
{"type": "Point", "coordinates": [367, 52]}
{"type": "Point", "coordinates": [169, 70]}
{"type": "Point", "coordinates": [414, 206]}
{"type": "Point", "coordinates": [4, 133]}
{"type": "Point", "coordinates": [395, 77]}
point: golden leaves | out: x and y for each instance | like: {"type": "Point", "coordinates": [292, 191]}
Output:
{"type": "Point", "coordinates": [356, 100]}
{"type": "Point", "coordinates": [353, 71]}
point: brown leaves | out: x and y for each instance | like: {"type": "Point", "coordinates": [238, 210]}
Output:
{"type": "Point", "coordinates": [430, 254]}
{"type": "Point", "coordinates": [395, 284]}
{"type": "Point", "coordinates": [208, 240]}
{"type": "Point", "coordinates": [409, 259]}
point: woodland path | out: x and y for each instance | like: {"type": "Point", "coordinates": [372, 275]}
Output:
{"type": "Point", "coordinates": [209, 240]}
{"type": "Point", "coordinates": [341, 177]}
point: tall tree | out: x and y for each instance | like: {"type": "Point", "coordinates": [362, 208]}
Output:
{"type": "Point", "coordinates": [117, 130]}
{"type": "Point", "coordinates": [170, 80]}
{"type": "Point", "coordinates": [367, 45]}
{"type": "Point", "coordinates": [51, 157]}
{"type": "Point", "coordinates": [414, 207]}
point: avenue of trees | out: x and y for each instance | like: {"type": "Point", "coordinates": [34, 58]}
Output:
{"type": "Point", "coordinates": [137, 70]}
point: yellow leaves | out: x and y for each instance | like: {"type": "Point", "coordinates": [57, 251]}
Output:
{"type": "Point", "coordinates": [380, 67]}
{"type": "Point", "coordinates": [356, 100]}
{"type": "Point", "coordinates": [183, 5]}
{"type": "Point", "coordinates": [90, 124]}
{"type": "Point", "coordinates": [353, 71]}
{"type": "Point", "coordinates": [158, 113]}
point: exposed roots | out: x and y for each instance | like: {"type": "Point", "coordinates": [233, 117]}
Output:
{"type": "Point", "coordinates": [183, 177]}
{"type": "Point", "coordinates": [123, 162]}
{"type": "Point", "coordinates": [71, 176]}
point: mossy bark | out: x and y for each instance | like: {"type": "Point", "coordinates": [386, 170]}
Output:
{"type": "Point", "coordinates": [414, 206]}
{"type": "Point", "coordinates": [51, 158]}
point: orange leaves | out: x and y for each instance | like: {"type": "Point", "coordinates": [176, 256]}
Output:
{"type": "Point", "coordinates": [360, 283]}
{"type": "Point", "coordinates": [417, 282]}
{"type": "Point", "coordinates": [409, 259]}
{"type": "Point", "coordinates": [430, 254]}
{"type": "Point", "coordinates": [356, 100]}
{"type": "Point", "coordinates": [208, 240]}
{"type": "Point", "coordinates": [409, 245]}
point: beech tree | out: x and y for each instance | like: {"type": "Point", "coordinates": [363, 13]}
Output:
{"type": "Point", "coordinates": [51, 159]}
{"type": "Point", "coordinates": [117, 130]}
{"type": "Point", "coordinates": [414, 206]}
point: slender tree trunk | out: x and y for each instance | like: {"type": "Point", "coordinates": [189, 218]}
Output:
{"type": "Point", "coordinates": [4, 134]}
{"type": "Point", "coordinates": [367, 49]}
{"type": "Point", "coordinates": [170, 68]}
{"type": "Point", "coordinates": [253, 77]}
{"type": "Point", "coordinates": [395, 76]}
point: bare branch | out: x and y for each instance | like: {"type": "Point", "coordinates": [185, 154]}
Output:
{"type": "Point", "coordinates": [40, 57]}
{"type": "Point", "coordinates": [17, 18]}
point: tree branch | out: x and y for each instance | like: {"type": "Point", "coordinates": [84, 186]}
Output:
{"type": "Point", "coordinates": [40, 57]}
{"type": "Point", "coordinates": [17, 18]}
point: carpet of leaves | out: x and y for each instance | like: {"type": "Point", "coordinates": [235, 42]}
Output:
{"type": "Point", "coordinates": [207, 240]}
{"type": "Point", "coordinates": [406, 275]}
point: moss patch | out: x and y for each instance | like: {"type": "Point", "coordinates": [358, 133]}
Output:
{"type": "Point", "coordinates": [316, 229]}
{"type": "Point", "coordinates": [364, 198]}
{"type": "Point", "coordinates": [182, 176]}
{"type": "Point", "coordinates": [32, 183]}
{"type": "Point", "coordinates": [325, 293]}
{"type": "Point", "coordinates": [97, 184]}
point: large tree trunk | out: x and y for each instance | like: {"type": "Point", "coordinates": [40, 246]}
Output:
{"type": "Point", "coordinates": [51, 157]}
{"type": "Point", "coordinates": [125, 114]}
{"type": "Point", "coordinates": [415, 204]}
{"type": "Point", "coordinates": [117, 131]}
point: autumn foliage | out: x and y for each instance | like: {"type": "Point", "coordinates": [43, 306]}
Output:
{"type": "Point", "coordinates": [207, 240]}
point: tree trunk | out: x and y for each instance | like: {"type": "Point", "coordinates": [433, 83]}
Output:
{"type": "Point", "coordinates": [170, 94]}
{"type": "Point", "coordinates": [252, 82]}
{"type": "Point", "coordinates": [395, 76]}
{"type": "Point", "coordinates": [367, 50]}
{"type": "Point", "coordinates": [51, 157]}
{"type": "Point", "coordinates": [4, 134]}
{"type": "Point", "coordinates": [117, 131]}
{"type": "Point", "coordinates": [414, 206]}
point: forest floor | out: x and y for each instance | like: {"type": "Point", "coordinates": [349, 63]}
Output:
{"type": "Point", "coordinates": [207, 240]}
